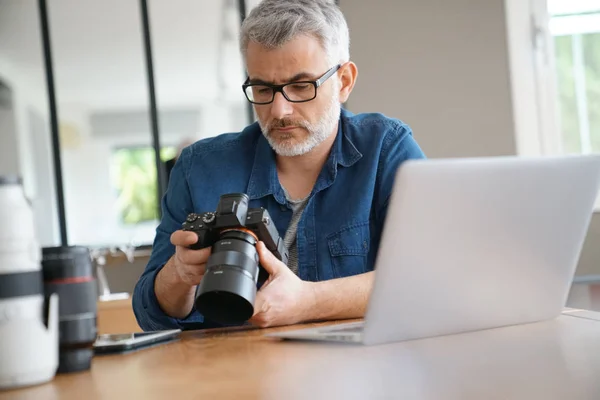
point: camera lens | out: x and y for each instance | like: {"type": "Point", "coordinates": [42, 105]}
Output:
{"type": "Point", "coordinates": [227, 291]}
{"type": "Point", "coordinates": [68, 272]}
{"type": "Point", "coordinates": [28, 347]}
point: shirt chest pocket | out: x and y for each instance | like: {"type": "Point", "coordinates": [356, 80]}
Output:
{"type": "Point", "coordinates": [349, 248]}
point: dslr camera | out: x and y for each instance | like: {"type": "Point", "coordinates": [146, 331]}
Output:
{"type": "Point", "coordinates": [227, 291]}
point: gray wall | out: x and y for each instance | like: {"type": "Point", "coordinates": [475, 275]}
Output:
{"type": "Point", "coordinates": [437, 67]}
{"type": "Point", "coordinates": [443, 68]}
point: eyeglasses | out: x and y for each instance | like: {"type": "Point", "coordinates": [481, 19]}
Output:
{"type": "Point", "coordinates": [295, 92]}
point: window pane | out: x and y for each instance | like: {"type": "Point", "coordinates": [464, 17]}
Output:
{"type": "Point", "coordinates": [591, 52]}
{"type": "Point", "coordinates": [198, 68]}
{"type": "Point", "coordinates": [134, 178]}
{"type": "Point", "coordinates": [566, 89]}
{"type": "Point", "coordinates": [576, 30]}
{"type": "Point", "coordinates": [102, 96]}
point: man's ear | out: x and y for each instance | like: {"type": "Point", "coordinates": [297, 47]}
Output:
{"type": "Point", "coordinates": [347, 75]}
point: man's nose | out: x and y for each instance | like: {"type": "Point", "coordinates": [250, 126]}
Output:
{"type": "Point", "coordinates": [280, 107]}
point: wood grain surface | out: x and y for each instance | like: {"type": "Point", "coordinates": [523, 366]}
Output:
{"type": "Point", "coordinates": [558, 359]}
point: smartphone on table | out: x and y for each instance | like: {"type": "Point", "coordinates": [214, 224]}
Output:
{"type": "Point", "coordinates": [127, 342]}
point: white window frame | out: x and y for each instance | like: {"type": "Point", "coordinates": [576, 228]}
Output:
{"type": "Point", "coordinates": [531, 53]}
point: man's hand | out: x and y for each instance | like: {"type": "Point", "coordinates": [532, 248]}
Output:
{"type": "Point", "coordinates": [175, 284]}
{"type": "Point", "coordinates": [284, 299]}
{"type": "Point", "coordinates": [189, 264]}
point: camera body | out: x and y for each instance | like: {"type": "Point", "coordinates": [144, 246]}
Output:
{"type": "Point", "coordinates": [232, 213]}
{"type": "Point", "coordinates": [227, 291]}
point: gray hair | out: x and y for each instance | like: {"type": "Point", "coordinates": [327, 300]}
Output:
{"type": "Point", "coordinates": [272, 23]}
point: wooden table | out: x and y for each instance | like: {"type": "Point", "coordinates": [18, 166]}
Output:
{"type": "Point", "coordinates": [558, 359]}
{"type": "Point", "coordinates": [116, 316]}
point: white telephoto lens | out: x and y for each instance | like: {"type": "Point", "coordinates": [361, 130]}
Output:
{"type": "Point", "coordinates": [28, 326]}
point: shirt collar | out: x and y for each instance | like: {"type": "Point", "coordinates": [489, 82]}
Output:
{"type": "Point", "coordinates": [264, 179]}
{"type": "Point", "coordinates": [346, 152]}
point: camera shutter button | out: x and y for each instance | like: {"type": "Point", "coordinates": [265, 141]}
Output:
{"type": "Point", "coordinates": [208, 218]}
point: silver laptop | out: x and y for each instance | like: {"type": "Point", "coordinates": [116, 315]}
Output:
{"type": "Point", "coordinates": [473, 244]}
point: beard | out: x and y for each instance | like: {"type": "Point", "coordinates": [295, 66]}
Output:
{"type": "Point", "coordinates": [287, 144]}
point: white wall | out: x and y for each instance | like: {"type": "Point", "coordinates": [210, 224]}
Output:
{"type": "Point", "coordinates": [460, 73]}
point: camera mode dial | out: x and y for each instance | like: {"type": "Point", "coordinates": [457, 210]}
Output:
{"type": "Point", "coordinates": [208, 218]}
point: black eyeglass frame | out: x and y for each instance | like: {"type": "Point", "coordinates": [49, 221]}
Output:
{"type": "Point", "coordinates": [279, 88]}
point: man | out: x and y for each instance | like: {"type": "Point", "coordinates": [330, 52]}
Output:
{"type": "Point", "coordinates": [324, 174]}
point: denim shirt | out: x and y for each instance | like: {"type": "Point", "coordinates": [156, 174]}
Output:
{"type": "Point", "coordinates": [338, 234]}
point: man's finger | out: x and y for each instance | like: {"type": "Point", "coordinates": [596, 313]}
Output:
{"type": "Point", "coordinates": [184, 238]}
{"type": "Point", "coordinates": [268, 261]}
{"type": "Point", "coordinates": [193, 257]}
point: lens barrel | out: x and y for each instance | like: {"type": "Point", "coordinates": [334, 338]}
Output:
{"type": "Point", "coordinates": [227, 291]}
{"type": "Point", "coordinates": [68, 271]}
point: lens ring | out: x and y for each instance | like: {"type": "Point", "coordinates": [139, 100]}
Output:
{"type": "Point", "coordinates": [240, 229]}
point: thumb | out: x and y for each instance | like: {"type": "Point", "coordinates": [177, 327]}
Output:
{"type": "Point", "coordinates": [259, 303]}
{"type": "Point", "coordinates": [268, 261]}
{"type": "Point", "coordinates": [184, 238]}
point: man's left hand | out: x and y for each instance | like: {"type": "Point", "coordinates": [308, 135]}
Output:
{"type": "Point", "coordinates": [284, 299]}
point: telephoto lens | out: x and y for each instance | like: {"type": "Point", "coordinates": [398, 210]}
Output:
{"type": "Point", "coordinates": [68, 271]}
{"type": "Point", "coordinates": [28, 325]}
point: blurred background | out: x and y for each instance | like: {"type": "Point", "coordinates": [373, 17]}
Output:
{"type": "Point", "coordinates": [472, 78]}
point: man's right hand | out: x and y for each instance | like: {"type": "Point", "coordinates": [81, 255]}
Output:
{"type": "Point", "coordinates": [175, 284]}
{"type": "Point", "coordinates": [189, 264]}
